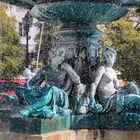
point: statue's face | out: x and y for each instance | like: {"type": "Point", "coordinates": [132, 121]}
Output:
{"type": "Point", "coordinates": [56, 57]}
{"type": "Point", "coordinates": [110, 57]}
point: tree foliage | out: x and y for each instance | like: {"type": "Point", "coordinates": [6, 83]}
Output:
{"type": "Point", "coordinates": [126, 41]}
{"type": "Point", "coordinates": [48, 39]}
{"type": "Point", "coordinates": [10, 53]}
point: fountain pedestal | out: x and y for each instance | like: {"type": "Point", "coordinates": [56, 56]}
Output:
{"type": "Point", "coordinates": [5, 114]}
{"type": "Point", "coordinates": [77, 13]}
{"type": "Point", "coordinates": [84, 134]}
{"type": "Point", "coordinates": [30, 126]}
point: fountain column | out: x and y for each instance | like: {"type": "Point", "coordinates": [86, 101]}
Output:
{"type": "Point", "coordinates": [78, 33]}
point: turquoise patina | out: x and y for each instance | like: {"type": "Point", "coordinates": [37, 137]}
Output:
{"type": "Point", "coordinates": [80, 38]}
{"type": "Point", "coordinates": [106, 94]}
{"type": "Point", "coordinates": [46, 94]}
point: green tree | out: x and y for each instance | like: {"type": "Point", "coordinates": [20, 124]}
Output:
{"type": "Point", "coordinates": [48, 38]}
{"type": "Point", "coordinates": [10, 53]}
{"type": "Point", "coordinates": [126, 41]}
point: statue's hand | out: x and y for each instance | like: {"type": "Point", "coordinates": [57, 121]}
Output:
{"type": "Point", "coordinates": [65, 66]}
{"type": "Point", "coordinates": [92, 103]}
{"type": "Point", "coordinates": [95, 107]}
{"type": "Point", "coordinates": [28, 85]}
{"type": "Point", "coordinates": [81, 88]}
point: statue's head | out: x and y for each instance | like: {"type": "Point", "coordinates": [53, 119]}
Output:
{"type": "Point", "coordinates": [56, 55]}
{"type": "Point", "coordinates": [109, 55]}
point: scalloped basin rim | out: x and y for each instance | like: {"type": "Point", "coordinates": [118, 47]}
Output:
{"type": "Point", "coordinates": [30, 3]}
{"type": "Point", "coordinates": [78, 12]}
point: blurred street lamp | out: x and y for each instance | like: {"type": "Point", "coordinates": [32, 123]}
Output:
{"type": "Point", "coordinates": [40, 43]}
{"type": "Point", "coordinates": [27, 22]}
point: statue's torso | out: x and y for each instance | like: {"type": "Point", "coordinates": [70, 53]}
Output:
{"type": "Point", "coordinates": [106, 85]}
{"type": "Point", "coordinates": [55, 77]}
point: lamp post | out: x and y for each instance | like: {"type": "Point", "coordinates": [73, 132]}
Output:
{"type": "Point", "coordinates": [40, 42]}
{"type": "Point", "coordinates": [27, 22]}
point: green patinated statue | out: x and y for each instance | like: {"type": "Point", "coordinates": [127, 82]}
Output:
{"type": "Point", "coordinates": [106, 95]}
{"type": "Point", "coordinates": [46, 94]}
{"type": "Point", "coordinates": [51, 98]}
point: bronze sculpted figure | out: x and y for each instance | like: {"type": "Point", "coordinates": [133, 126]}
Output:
{"type": "Point", "coordinates": [106, 94]}
{"type": "Point", "coordinates": [46, 94]}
